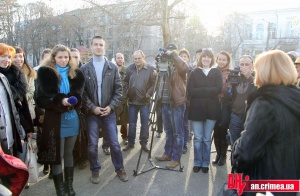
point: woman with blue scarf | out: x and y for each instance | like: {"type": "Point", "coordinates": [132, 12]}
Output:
{"type": "Point", "coordinates": [58, 80]}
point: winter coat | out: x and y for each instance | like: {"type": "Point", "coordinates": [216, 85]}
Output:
{"type": "Point", "coordinates": [122, 109]}
{"type": "Point", "coordinates": [178, 80]}
{"type": "Point", "coordinates": [48, 96]}
{"type": "Point", "coordinates": [30, 75]}
{"type": "Point", "coordinates": [111, 87]}
{"type": "Point", "coordinates": [203, 92]}
{"type": "Point", "coordinates": [15, 171]}
{"type": "Point", "coordinates": [139, 84]}
{"type": "Point", "coordinates": [30, 97]}
{"type": "Point", "coordinates": [18, 85]}
{"type": "Point", "coordinates": [17, 128]}
{"type": "Point", "coordinates": [224, 100]}
{"type": "Point", "coordinates": [269, 146]}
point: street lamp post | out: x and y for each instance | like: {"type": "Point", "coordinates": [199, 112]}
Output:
{"type": "Point", "coordinates": [268, 37]}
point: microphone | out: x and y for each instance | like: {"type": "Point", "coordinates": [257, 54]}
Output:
{"type": "Point", "coordinates": [72, 100]}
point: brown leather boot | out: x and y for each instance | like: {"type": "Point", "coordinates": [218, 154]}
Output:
{"type": "Point", "coordinates": [172, 164]}
{"type": "Point", "coordinates": [163, 158]}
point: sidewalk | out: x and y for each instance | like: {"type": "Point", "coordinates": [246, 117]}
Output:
{"type": "Point", "coordinates": [156, 182]}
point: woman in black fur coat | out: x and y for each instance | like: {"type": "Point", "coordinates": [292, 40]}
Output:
{"type": "Point", "coordinates": [269, 147]}
{"type": "Point", "coordinates": [18, 85]}
{"type": "Point", "coordinates": [58, 80]}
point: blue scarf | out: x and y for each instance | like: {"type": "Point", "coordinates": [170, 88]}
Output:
{"type": "Point", "coordinates": [65, 87]}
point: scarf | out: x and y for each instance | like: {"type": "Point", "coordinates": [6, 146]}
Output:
{"type": "Point", "coordinates": [65, 87]}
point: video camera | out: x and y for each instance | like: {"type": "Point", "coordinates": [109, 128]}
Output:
{"type": "Point", "coordinates": [234, 75]}
{"type": "Point", "coordinates": [162, 61]}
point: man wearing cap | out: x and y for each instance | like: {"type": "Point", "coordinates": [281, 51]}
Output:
{"type": "Point", "coordinates": [173, 106]}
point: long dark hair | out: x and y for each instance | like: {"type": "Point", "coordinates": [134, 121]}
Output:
{"type": "Point", "coordinates": [27, 69]}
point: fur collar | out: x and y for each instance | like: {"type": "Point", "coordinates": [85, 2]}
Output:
{"type": "Point", "coordinates": [17, 80]}
{"type": "Point", "coordinates": [49, 81]}
{"type": "Point", "coordinates": [287, 96]}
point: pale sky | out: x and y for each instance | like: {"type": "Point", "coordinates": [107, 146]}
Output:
{"type": "Point", "coordinates": [210, 11]}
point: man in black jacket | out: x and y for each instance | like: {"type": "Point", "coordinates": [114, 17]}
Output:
{"type": "Point", "coordinates": [139, 85]}
{"type": "Point", "coordinates": [102, 93]}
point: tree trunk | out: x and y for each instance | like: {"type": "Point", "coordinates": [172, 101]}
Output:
{"type": "Point", "coordinates": [165, 24]}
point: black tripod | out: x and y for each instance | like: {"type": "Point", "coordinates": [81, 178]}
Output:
{"type": "Point", "coordinates": [161, 80]}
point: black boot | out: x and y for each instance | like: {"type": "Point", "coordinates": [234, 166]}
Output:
{"type": "Point", "coordinates": [69, 173]}
{"type": "Point", "coordinates": [216, 160]}
{"type": "Point", "coordinates": [50, 176]}
{"type": "Point", "coordinates": [59, 184]}
{"type": "Point", "coordinates": [218, 146]}
{"type": "Point", "coordinates": [223, 156]}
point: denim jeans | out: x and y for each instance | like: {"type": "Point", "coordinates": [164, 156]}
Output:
{"type": "Point", "coordinates": [110, 135]}
{"type": "Point", "coordinates": [236, 126]}
{"type": "Point", "coordinates": [202, 141]}
{"type": "Point", "coordinates": [186, 125]}
{"type": "Point", "coordinates": [174, 138]}
{"type": "Point", "coordinates": [144, 117]}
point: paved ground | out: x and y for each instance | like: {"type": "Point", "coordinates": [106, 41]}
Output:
{"type": "Point", "coordinates": [156, 182]}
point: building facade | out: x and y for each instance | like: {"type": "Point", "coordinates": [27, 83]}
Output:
{"type": "Point", "coordinates": [273, 29]}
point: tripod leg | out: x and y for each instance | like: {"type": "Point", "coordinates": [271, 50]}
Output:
{"type": "Point", "coordinates": [138, 163]}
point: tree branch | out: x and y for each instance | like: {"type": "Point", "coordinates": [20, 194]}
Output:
{"type": "Point", "coordinates": [174, 3]}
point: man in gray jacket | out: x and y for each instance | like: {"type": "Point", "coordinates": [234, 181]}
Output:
{"type": "Point", "coordinates": [139, 85]}
{"type": "Point", "coordinates": [102, 93]}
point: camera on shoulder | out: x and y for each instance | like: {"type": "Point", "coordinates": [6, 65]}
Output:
{"type": "Point", "coordinates": [234, 75]}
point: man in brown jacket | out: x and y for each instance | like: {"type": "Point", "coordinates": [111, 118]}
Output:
{"type": "Point", "coordinates": [173, 106]}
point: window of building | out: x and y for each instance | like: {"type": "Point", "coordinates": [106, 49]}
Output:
{"type": "Point", "coordinates": [259, 31]}
{"type": "Point", "coordinates": [289, 29]}
{"type": "Point", "coordinates": [127, 16]}
{"type": "Point", "coordinates": [257, 52]}
{"type": "Point", "coordinates": [248, 32]}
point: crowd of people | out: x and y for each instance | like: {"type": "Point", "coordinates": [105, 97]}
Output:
{"type": "Point", "coordinates": [254, 108]}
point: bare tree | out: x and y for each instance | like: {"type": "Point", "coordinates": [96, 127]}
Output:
{"type": "Point", "coordinates": [144, 13]}
{"type": "Point", "coordinates": [7, 13]}
{"type": "Point", "coordinates": [231, 34]}
{"type": "Point", "coordinates": [196, 35]}
{"type": "Point", "coordinates": [34, 28]}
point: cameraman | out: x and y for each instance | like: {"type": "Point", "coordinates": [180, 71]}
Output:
{"type": "Point", "coordinates": [173, 106]}
{"type": "Point", "coordinates": [240, 93]}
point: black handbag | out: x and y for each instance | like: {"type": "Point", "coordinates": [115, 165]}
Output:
{"type": "Point", "coordinates": [224, 190]}
{"type": "Point", "coordinates": [227, 192]}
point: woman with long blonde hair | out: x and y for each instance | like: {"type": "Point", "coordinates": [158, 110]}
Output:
{"type": "Point", "coordinates": [58, 82]}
